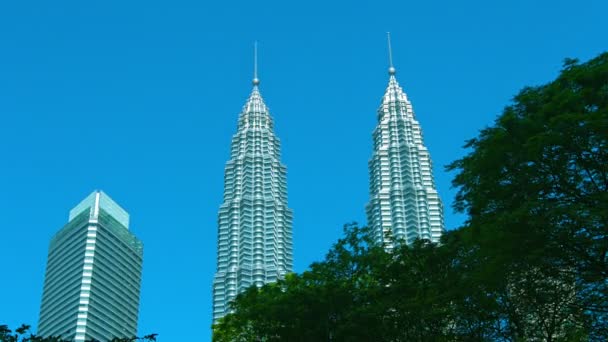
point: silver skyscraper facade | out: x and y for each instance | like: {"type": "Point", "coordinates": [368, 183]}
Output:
{"type": "Point", "coordinates": [254, 223]}
{"type": "Point", "coordinates": [93, 275]}
{"type": "Point", "coordinates": [403, 199]}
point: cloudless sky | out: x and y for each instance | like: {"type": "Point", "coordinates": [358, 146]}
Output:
{"type": "Point", "coordinates": [141, 98]}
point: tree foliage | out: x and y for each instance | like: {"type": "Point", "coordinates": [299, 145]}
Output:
{"type": "Point", "coordinates": [530, 263]}
{"type": "Point", "coordinates": [23, 334]}
{"type": "Point", "coordinates": [535, 187]}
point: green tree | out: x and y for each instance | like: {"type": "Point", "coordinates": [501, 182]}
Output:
{"type": "Point", "coordinates": [360, 292]}
{"type": "Point", "coordinates": [23, 334]}
{"type": "Point", "coordinates": [535, 187]}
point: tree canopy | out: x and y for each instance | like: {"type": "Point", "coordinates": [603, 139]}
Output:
{"type": "Point", "coordinates": [530, 262]}
{"type": "Point", "coordinates": [23, 334]}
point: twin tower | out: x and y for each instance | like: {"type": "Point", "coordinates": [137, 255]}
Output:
{"type": "Point", "coordinates": [255, 244]}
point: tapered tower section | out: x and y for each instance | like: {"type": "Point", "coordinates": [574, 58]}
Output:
{"type": "Point", "coordinates": [403, 199]}
{"type": "Point", "coordinates": [254, 224]}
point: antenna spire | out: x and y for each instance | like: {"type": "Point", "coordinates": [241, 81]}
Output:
{"type": "Point", "coordinates": [256, 80]}
{"type": "Point", "coordinates": [391, 68]}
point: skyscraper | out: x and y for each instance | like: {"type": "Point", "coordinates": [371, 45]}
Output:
{"type": "Point", "coordinates": [403, 197]}
{"type": "Point", "coordinates": [93, 275]}
{"type": "Point", "coordinates": [254, 223]}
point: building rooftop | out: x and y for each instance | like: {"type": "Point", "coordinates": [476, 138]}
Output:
{"type": "Point", "coordinates": [100, 200]}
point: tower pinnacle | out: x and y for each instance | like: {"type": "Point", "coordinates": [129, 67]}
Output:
{"type": "Point", "coordinates": [391, 68]}
{"type": "Point", "coordinates": [256, 80]}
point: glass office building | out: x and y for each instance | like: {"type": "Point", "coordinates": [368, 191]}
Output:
{"type": "Point", "coordinates": [403, 199]}
{"type": "Point", "coordinates": [254, 222]}
{"type": "Point", "coordinates": [93, 275]}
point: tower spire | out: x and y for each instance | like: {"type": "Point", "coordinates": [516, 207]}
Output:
{"type": "Point", "coordinates": [256, 80]}
{"type": "Point", "coordinates": [391, 68]}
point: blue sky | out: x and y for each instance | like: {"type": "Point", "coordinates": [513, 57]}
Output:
{"type": "Point", "coordinates": [140, 99]}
